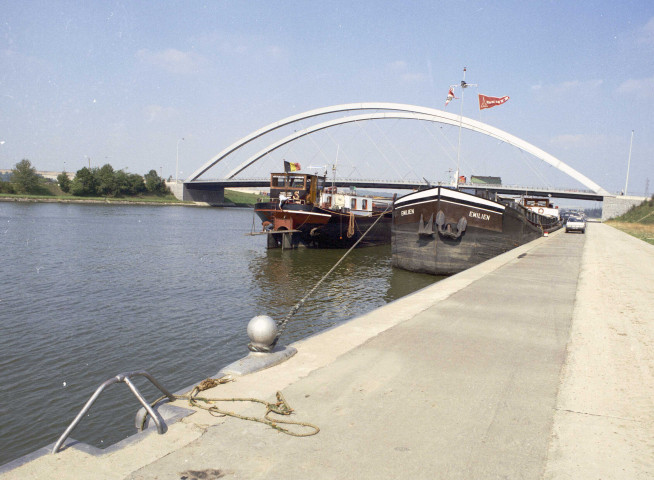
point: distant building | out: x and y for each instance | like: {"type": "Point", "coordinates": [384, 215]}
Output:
{"type": "Point", "coordinates": [5, 174]}
{"type": "Point", "coordinates": [486, 180]}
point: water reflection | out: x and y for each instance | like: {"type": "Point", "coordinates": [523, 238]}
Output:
{"type": "Point", "coordinates": [364, 280]}
{"type": "Point", "coordinates": [95, 290]}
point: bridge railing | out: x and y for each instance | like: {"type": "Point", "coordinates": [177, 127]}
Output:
{"type": "Point", "coordinates": [525, 187]}
{"type": "Point", "coordinates": [405, 183]}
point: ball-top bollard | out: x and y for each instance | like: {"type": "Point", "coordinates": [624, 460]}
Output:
{"type": "Point", "coordinates": [262, 331]}
{"type": "Point", "coordinates": [264, 351]}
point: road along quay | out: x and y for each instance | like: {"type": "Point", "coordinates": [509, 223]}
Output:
{"type": "Point", "coordinates": [535, 364]}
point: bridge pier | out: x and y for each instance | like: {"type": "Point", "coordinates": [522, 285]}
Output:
{"type": "Point", "coordinates": [197, 192]}
{"type": "Point", "coordinates": [177, 189]}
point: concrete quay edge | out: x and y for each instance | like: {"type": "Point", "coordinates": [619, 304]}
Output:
{"type": "Point", "coordinates": [484, 389]}
{"type": "Point", "coordinates": [313, 353]}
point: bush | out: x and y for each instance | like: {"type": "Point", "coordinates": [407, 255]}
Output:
{"type": "Point", "coordinates": [6, 187]}
{"type": "Point", "coordinates": [155, 184]}
{"type": "Point", "coordinates": [64, 182]}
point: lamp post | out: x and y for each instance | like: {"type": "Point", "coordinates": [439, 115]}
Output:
{"type": "Point", "coordinates": [177, 164]}
{"type": "Point", "coordinates": [631, 143]}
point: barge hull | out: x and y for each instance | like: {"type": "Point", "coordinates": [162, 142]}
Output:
{"type": "Point", "coordinates": [472, 230]}
{"type": "Point", "coordinates": [314, 227]}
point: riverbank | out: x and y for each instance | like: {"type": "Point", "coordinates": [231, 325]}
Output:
{"type": "Point", "coordinates": [458, 380]}
{"type": "Point", "coordinates": [233, 198]}
{"type": "Point", "coordinates": [102, 201]}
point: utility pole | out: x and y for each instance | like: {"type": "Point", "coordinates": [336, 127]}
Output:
{"type": "Point", "coordinates": [626, 183]}
{"type": "Point", "coordinates": [647, 187]}
{"type": "Point", "coordinates": [177, 163]}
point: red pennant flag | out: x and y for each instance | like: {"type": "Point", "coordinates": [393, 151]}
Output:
{"type": "Point", "coordinates": [489, 102]}
{"type": "Point", "coordinates": [450, 97]}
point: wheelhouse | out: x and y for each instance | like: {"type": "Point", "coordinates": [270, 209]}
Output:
{"type": "Point", "coordinates": [295, 187]}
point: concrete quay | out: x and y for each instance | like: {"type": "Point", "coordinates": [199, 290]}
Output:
{"type": "Point", "coordinates": [535, 364]}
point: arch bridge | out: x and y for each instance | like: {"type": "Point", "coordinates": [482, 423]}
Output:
{"type": "Point", "coordinates": [197, 189]}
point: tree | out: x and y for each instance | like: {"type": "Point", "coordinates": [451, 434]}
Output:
{"type": "Point", "coordinates": [106, 180]}
{"type": "Point", "coordinates": [64, 182]}
{"type": "Point", "coordinates": [154, 183]}
{"type": "Point", "coordinates": [84, 184]}
{"type": "Point", "coordinates": [121, 184]}
{"type": "Point", "coordinates": [136, 184]}
{"type": "Point", "coordinates": [25, 178]}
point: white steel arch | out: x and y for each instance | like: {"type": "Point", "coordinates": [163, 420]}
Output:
{"type": "Point", "coordinates": [396, 111]}
{"type": "Point", "coordinates": [331, 123]}
{"type": "Point", "coordinates": [273, 126]}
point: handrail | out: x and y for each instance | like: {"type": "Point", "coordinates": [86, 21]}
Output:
{"type": "Point", "coordinates": [121, 377]}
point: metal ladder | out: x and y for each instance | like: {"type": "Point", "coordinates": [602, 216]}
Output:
{"type": "Point", "coordinates": [121, 377]}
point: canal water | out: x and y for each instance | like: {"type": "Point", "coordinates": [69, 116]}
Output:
{"type": "Point", "coordinates": [90, 291]}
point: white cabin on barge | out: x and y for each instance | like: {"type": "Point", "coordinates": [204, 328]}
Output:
{"type": "Point", "coordinates": [541, 205]}
{"type": "Point", "coordinates": [348, 201]}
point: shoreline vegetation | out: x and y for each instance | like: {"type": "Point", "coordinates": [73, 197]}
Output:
{"type": "Point", "coordinates": [100, 186]}
{"type": "Point", "coordinates": [144, 200]}
{"type": "Point", "coordinates": [638, 221]}
{"type": "Point", "coordinates": [233, 198]}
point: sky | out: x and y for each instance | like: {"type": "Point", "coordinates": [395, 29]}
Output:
{"type": "Point", "coordinates": [95, 82]}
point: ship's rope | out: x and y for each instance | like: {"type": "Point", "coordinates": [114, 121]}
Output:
{"type": "Point", "coordinates": [350, 227]}
{"type": "Point", "coordinates": [281, 326]}
{"type": "Point", "coordinates": [281, 407]}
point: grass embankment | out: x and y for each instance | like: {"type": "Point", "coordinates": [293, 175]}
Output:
{"type": "Point", "coordinates": [241, 199]}
{"type": "Point", "coordinates": [638, 221]}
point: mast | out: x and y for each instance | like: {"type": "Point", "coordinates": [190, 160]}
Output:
{"type": "Point", "coordinates": [458, 151]}
{"type": "Point", "coordinates": [464, 85]}
{"type": "Point", "coordinates": [626, 184]}
{"type": "Point", "coordinates": [334, 169]}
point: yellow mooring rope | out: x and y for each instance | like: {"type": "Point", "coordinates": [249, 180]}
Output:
{"type": "Point", "coordinates": [281, 407]}
{"type": "Point", "coordinates": [350, 227]}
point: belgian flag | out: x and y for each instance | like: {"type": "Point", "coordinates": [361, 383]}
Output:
{"type": "Point", "coordinates": [291, 167]}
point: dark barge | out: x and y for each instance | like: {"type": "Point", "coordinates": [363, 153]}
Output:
{"type": "Point", "coordinates": [443, 231]}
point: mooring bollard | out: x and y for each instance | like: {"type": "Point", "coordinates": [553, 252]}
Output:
{"type": "Point", "coordinates": [264, 351]}
{"type": "Point", "coordinates": [262, 331]}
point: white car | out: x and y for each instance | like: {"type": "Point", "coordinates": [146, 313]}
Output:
{"type": "Point", "coordinates": [575, 224]}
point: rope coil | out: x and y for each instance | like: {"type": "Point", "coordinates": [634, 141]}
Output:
{"type": "Point", "coordinates": [281, 407]}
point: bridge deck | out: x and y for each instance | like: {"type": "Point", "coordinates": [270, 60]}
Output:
{"type": "Point", "coordinates": [407, 185]}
